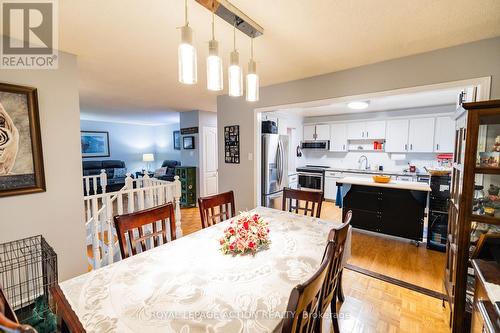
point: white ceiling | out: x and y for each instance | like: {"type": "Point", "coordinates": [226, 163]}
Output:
{"type": "Point", "coordinates": [384, 103]}
{"type": "Point", "coordinates": [127, 49]}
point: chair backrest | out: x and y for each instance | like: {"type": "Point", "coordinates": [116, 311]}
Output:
{"type": "Point", "coordinates": [292, 201]}
{"type": "Point", "coordinates": [133, 224]}
{"type": "Point", "coordinates": [303, 304]}
{"type": "Point", "coordinates": [337, 237]}
{"type": "Point", "coordinates": [215, 208]}
{"type": "Point", "coordinates": [5, 308]}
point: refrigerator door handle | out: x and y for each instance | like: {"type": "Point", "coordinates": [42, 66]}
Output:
{"type": "Point", "coordinates": [278, 163]}
{"type": "Point", "coordinates": [282, 163]}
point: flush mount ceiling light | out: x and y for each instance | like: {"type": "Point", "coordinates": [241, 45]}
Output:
{"type": "Point", "coordinates": [188, 71]}
{"type": "Point", "coordinates": [358, 105]}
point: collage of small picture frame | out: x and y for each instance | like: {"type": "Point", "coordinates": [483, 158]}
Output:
{"type": "Point", "coordinates": [232, 144]}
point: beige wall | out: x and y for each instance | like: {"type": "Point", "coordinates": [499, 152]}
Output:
{"type": "Point", "coordinates": [58, 213]}
{"type": "Point", "coordinates": [466, 61]}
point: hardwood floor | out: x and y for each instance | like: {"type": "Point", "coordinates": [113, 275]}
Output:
{"type": "Point", "coordinates": [372, 305]}
{"type": "Point", "coordinates": [396, 258]}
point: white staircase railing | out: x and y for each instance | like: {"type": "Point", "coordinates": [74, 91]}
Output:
{"type": "Point", "coordinates": [137, 194]}
{"type": "Point", "coordinates": [93, 182]}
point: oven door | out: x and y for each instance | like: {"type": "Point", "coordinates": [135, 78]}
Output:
{"type": "Point", "coordinates": [311, 181]}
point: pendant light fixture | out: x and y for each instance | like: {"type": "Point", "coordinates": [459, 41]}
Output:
{"type": "Point", "coordinates": [235, 76]}
{"type": "Point", "coordinates": [187, 53]}
{"type": "Point", "coordinates": [214, 62]}
{"type": "Point", "coordinates": [252, 78]}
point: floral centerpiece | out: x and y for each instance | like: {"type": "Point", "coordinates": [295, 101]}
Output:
{"type": "Point", "coordinates": [246, 234]}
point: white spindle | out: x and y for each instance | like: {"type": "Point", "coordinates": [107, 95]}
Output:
{"type": "Point", "coordinates": [95, 233]}
{"type": "Point", "coordinates": [120, 203]}
{"type": "Point", "coordinates": [87, 185]}
{"type": "Point", "coordinates": [177, 196]}
{"type": "Point", "coordinates": [111, 238]}
{"type": "Point", "coordinates": [140, 198]}
{"type": "Point", "coordinates": [129, 182]}
{"type": "Point", "coordinates": [103, 177]}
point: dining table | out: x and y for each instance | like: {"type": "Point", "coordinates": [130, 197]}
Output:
{"type": "Point", "coordinates": [188, 285]}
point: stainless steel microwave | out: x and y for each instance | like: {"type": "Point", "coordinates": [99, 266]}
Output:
{"type": "Point", "coordinates": [316, 144]}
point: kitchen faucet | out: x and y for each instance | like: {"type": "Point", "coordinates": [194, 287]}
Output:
{"type": "Point", "coordinates": [360, 161]}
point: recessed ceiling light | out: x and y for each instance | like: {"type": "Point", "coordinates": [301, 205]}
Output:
{"type": "Point", "coordinates": [358, 105]}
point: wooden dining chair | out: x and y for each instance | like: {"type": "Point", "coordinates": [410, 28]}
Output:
{"type": "Point", "coordinates": [303, 304]}
{"type": "Point", "coordinates": [292, 199]}
{"type": "Point", "coordinates": [332, 287]}
{"type": "Point", "coordinates": [216, 208]}
{"type": "Point", "coordinates": [8, 318]}
{"type": "Point", "coordinates": [134, 223]}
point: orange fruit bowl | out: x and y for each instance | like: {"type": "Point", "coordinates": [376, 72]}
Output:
{"type": "Point", "coordinates": [381, 179]}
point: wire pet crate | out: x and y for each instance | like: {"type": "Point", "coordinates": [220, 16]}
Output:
{"type": "Point", "coordinates": [28, 269]}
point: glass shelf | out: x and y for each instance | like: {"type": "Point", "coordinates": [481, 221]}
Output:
{"type": "Point", "coordinates": [486, 198]}
{"type": "Point", "coordinates": [488, 144]}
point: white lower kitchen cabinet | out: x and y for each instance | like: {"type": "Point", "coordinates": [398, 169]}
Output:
{"type": "Point", "coordinates": [330, 186]}
{"type": "Point", "coordinates": [330, 190]}
{"type": "Point", "coordinates": [421, 135]}
{"type": "Point", "coordinates": [338, 137]}
{"type": "Point", "coordinates": [397, 136]}
{"type": "Point", "coordinates": [444, 137]}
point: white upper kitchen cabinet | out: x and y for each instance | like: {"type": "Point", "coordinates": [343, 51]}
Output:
{"type": "Point", "coordinates": [309, 132]}
{"type": "Point", "coordinates": [444, 137]}
{"type": "Point", "coordinates": [317, 132]}
{"type": "Point", "coordinates": [356, 131]}
{"type": "Point", "coordinates": [338, 137]}
{"type": "Point", "coordinates": [397, 136]}
{"type": "Point", "coordinates": [323, 132]}
{"type": "Point", "coordinates": [366, 130]}
{"type": "Point", "coordinates": [421, 135]}
{"type": "Point", "coordinates": [375, 129]}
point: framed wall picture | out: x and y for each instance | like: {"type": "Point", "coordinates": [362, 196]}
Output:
{"type": "Point", "coordinates": [21, 158]}
{"type": "Point", "coordinates": [94, 144]}
{"type": "Point", "coordinates": [177, 140]}
{"type": "Point", "coordinates": [188, 142]}
{"type": "Point", "coordinates": [232, 144]}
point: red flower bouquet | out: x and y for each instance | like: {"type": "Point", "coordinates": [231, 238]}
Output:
{"type": "Point", "coordinates": [248, 233]}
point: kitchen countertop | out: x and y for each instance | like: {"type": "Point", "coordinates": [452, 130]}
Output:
{"type": "Point", "coordinates": [376, 172]}
{"type": "Point", "coordinates": [414, 186]}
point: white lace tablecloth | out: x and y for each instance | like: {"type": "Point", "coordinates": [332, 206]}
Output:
{"type": "Point", "coordinates": [189, 286]}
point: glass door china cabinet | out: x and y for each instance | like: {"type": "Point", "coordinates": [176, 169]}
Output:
{"type": "Point", "coordinates": [474, 215]}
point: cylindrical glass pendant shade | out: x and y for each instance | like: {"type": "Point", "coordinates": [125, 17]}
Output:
{"type": "Point", "coordinates": [235, 76]}
{"type": "Point", "coordinates": [214, 67]}
{"type": "Point", "coordinates": [187, 57]}
{"type": "Point", "coordinates": [252, 82]}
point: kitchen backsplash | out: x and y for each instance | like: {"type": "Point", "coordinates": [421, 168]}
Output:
{"type": "Point", "coordinates": [350, 160]}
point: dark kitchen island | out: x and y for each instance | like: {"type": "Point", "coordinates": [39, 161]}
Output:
{"type": "Point", "coordinates": [396, 208]}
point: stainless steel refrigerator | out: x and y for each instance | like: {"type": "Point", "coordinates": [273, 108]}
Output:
{"type": "Point", "coordinates": [274, 172]}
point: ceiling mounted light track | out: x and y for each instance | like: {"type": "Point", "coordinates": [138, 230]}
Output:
{"type": "Point", "coordinates": [232, 15]}
{"type": "Point", "coordinates": [187, 52]}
